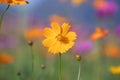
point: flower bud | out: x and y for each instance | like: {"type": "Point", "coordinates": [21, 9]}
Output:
{"type": "Point", "coordinates": [30, 43]}
{"type": "Point", "coordinates": [78, 57]}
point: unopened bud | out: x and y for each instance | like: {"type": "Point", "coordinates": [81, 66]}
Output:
{"type": "Point", "coordinates": [43, 66]}
{"type": "Point", "coordinates": [19, 74]}
{"type": "Point", "coordinates": [78, 57]}
{"type": "Point", "coordinates": [30, 43]}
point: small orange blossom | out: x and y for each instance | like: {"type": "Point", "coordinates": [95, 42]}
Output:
{"type": "Point", "coordinates": [57, 18]}
{"type": "Point", "coordinates": [99, 33]}
{"type": "Point", "coordinates": [112, 51]}
{"type": "Point", "coordinates": [99, 4]}
{"type": "Point", "coordinates": [5, 58]}
{"type": "Point", "coordinates": [33, 33]}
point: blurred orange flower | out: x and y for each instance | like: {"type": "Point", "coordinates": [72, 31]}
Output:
{"type": "Point", "coordinates": [74, 3]}
{"type": "Point", "coordinates": [99, 4]}
{"type": "Point", "coordinates": [77, 2]}
{"type": "Point", "coordinates": [13, 2]}
{"type": "Point", "coordinates": [33, 33]}
{"type": "Point", "coordinates": [59, 39]}
{"type": "Point", "coordinates": [99, 33]}
{"type": "Point", "coordinates": [57, 18]}
{"type": "Point", "coordinates": [112, 51]}
{"type": "Point", "coordinates": [115, 69]}
{"type": "Point", "coordinates": [5, 58]}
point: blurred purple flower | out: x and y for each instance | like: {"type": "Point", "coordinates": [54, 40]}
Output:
{"type": "Point", "coordinates": [83, 47]}
{"type": "Point", "coordinates": [117, 31]}
{"type": "Point", "coordinates": [7, 42]}
{"type": "Point", "coordinates": [108, 9]}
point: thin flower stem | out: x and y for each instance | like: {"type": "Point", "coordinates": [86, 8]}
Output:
{"type": "Point", "coordinates": [21, 78]}
{"type": "Point", "coordinates": [79, 72]}
{"type": "Point", "coordinates": [60, 67]}
{"type": "Point", "coordinates": [19, 75]}
{"type": "Point", "coordinates": [2, 15]}
{"type": "Point", "coordinates": [32, 53]}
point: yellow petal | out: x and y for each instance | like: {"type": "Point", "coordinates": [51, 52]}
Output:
{"type": "Point", "coordinates": [49, 42]}
{"type": "Point", "coordinates": [65, 28]}
{"type": "Point", "coordinates": [56, 27]}
{"type": "Point", "coordinates": [49, 33]}
{"type": "Point", "coordinates": [66, 47]}
{"type": "Point", "coordinates": [60, 47]}
{"type": "Point", "coordinates": [17, 2]}
{"type": "Point", "coordinates": [55, 49]}
{"type": "Point", "coordinates": [71, 36]}
{"type": "Point", "coordinates": [4, 1]}
{"type": "Point", "coordinates": [22, 2]}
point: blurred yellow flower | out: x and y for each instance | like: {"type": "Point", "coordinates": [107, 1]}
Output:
{"type": "Point", "coordinates": [99, 33]}
{"type": "Point", "coordinates": [58, 39]}
{"type": "Point", "coordinates": [77, 2]}
{"type": "Point", "coordinates": [115, 69]}
{"type": "Point", "coordinates": [57, 18]}
{"type": "Point", "coordinates": [33, 33]}
{"type": "Point", "coordinates": [5, 58]}
{"type": "Point", "coordinates": [14, 2]}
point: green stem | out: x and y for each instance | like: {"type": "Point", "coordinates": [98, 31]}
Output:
{"type": "Point", "coordinates": [79, 72]}
{"type": "Point", "coordinates": [2, 15]}
{"type": "Point", "coordinates": [60, 67]}
{"type": "Point", "coordinates": [21, 78]}
{"type": "Point", "coordinates": [19, 75]}
{"type": "Point", "coordinates": [32, 62]}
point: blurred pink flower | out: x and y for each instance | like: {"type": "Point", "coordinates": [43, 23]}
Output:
{"type": "Point", "coordinates": [83, 47]}
{"type": "Point", "coordinates": [105, 8]}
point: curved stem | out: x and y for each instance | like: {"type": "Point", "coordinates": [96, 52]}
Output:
{"type": "Point", "coordinates": [2, 15]}
{"type": "Point", "coordinates": [60, 67]}
{"type": "Point", "coordinates": [79, 72]}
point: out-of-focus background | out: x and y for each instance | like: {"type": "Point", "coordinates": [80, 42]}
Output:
{"type": "Point", "coordinates": [96, 22]}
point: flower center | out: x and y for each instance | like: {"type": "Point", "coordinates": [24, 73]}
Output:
{"type": "Point", "coordinates": [62, 39]}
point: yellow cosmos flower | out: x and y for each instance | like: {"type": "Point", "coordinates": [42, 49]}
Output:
{"type": "Point", "coordinates": [13, 2]}
{"type": "Point", "coordinates": [115, 69]}
{"type": "Point", "coordinates": [58, 39]}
